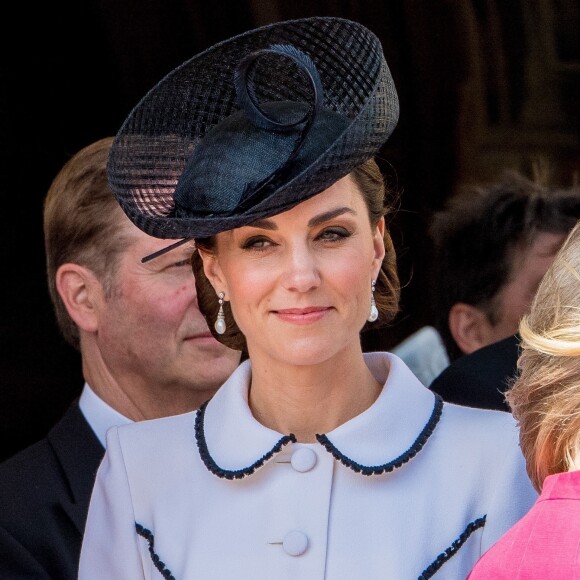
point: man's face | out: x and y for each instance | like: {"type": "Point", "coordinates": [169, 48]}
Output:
{"type": "Point", "coordinates": [151, 335]}
{"type": "Point", "coordinates": [529, 265]}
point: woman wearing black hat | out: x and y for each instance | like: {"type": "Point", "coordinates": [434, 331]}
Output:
{"type": "Point", "coordinates": [313, 460]}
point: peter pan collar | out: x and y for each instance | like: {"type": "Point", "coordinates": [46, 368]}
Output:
{"type": "Point", "coordinates": [232, 444]}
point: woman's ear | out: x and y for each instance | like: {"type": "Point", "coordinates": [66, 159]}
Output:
{"type": "Point", "coordinates": [213, 271]}
{"type": "Point", "coordinates": [379, 246]}
{"type": "Point", "coordinates": [81, 293]}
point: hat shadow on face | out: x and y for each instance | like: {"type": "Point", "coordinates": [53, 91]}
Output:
{"type": "Point", "coordinates": [192, 159]}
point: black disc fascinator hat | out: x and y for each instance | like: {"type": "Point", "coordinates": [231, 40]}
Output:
{"type": "Point", "coordinates": [253, 126]}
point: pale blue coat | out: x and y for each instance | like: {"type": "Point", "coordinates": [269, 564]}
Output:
{"type": "Point", "coordinates": [449, 482]}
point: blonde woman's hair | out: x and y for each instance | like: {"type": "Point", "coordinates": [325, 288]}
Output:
{"type": "Point", "coordinates": [545, 398]}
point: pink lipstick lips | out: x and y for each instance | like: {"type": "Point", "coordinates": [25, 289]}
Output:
{"type": "Point", "coordinates": [302, 315]}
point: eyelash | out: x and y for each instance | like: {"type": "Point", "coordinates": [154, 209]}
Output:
{"type": "Point", "coordinates": [337, 234]}
{"type": "Point", "coordinates": [252, 244]}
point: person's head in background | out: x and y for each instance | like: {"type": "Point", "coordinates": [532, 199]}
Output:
{"type": "Point", "coordinates": [491, 247]}
{"type": "Point", "coordinates": [545, 398]}
{"type": "Point", "coordinates": [146, 349]}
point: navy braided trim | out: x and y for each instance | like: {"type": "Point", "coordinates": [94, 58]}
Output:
{"type": "Point", "coordinates": [226, 473]}
{"type": "Point", "coordinates": [145, 533]}
{"type": "Point", "coordinates": [395, 463]}
{"type": "Point", "coordinates": [453, 549]}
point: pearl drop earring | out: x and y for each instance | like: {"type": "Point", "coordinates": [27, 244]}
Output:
{"type": "Point", "coordinates": [374, 311]}
{"type": "Point", "coordinates": [220, 321]}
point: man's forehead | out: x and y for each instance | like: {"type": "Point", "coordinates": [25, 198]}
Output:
{"type": "Point", "coordinates": [182, 251]}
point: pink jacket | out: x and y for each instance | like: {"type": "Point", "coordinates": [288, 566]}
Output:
{"type": "Point", "coordinates": [545, 543]}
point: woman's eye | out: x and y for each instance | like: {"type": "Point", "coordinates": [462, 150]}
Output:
{"type": "Point", "coordinates": [333, 234]}
{"type": "Point", "coordinates": [181, 264]}
{"type": "Point", "coordinates": [256, 243]}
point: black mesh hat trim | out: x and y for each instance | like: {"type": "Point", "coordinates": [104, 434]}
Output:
{"type": "Point", "coordinates": [166, 127]}
{"type": "Point", "coordinates": [453, 549]}
{"type": "Point", "coordinates": [148, 535]}
{"type": "Point", "coordinates": [231, 473]}
{"type": "Point", "coordinates": [397, 462]}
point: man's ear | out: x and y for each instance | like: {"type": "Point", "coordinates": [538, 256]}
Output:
{"type": "Point", "coordinates": [469, 326]}
{"type": "Point", "coordinates": [81, 293]}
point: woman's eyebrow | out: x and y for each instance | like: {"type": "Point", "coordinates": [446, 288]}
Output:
{"type": "Point", "coordinates": [264, 224]}
{"type": "Point", "coordinates": [267, 224]}
{"type": "Point", "coordinates": [328, 215]}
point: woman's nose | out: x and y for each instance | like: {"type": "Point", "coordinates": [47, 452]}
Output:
{"type": "Point", "coordinates": [301, 272]}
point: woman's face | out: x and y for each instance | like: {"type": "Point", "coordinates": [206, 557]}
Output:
{"type": "Point", "coordinates": [299, 283]}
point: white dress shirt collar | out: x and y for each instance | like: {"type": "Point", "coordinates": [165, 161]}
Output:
{"type": "Point", "coordinates": [99, 415]}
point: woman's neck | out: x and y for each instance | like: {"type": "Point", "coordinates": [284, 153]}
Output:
{"type": "Point", "coordinates": [308, 400]}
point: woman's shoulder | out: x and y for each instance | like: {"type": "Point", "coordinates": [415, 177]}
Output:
{"type": "Point", "coordinates": [488, 441]}
{"type": "Point", "coordinates": [154, 431]}
{"type": "Point", "coordinates": [480, 427]}
{"type": "Point", "coordinates": [480, 418]}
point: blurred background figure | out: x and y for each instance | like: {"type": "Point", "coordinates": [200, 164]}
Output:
{"type": "Point", "coordinates": [145, 349]}
{"type": "Point", "coordinates": [424, 353]}
{"type": "Point", "coordinates": [545, 400]}
{"type": "Point", "coordinates": [492, 246]}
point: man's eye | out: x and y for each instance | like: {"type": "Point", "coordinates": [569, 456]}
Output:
{"type": "Point", "coordinates": [181, 263]}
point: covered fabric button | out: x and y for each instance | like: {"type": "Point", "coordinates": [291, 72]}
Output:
{"type": "Point", "coordinates": [303, 459]}
{"type": "Point", "coordinates": [295, 543]}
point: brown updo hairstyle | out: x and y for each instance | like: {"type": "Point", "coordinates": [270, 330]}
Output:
{"type": "Point", "coordinates": [370, 182]}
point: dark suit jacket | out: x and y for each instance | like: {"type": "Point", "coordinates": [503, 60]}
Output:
{"type": "Point", "coordinates": [480, 379]}
{"type": "Point", "coordinates": [44, 498]}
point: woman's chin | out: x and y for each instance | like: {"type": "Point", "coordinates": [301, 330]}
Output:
{"type": "Point", "coordinates": [307, 353]}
